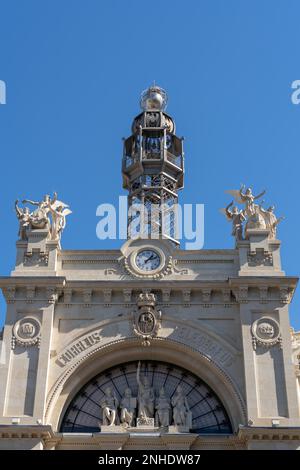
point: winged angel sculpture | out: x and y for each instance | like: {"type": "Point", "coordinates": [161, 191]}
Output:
{"type": "Point", "coordinates": [254, 215]}
{"type": "Point", "coordinates": [39, 218]}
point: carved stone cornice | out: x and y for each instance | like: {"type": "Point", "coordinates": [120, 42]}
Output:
{"type": "Point", "coordinates": [206, 297]}
{"type": "Point", "coordinates": [127, 293]}
{"type": "Point", "coordinates": [166, 296]}
{"type": "Point", "coordinates": [226, 293]}
{"type": "Point", "coordinates": [11, 285]}
{"type": "Point", "coordinates": [241, 294]}
{"type": "Point", "coordinates": [186, 296]}
{"type": "Point", "coordinates": [30, 293]}
{"type": "Point", "coordinates": [286, 287]}
{"type": "Point", "coordinates": [263, 294]}
{"type": "Point", "coordinates": [250, 433]}
{"type": "Point", "coordinates": [9, 293]}
{"type": "Point", "coordinates": [67, 296]}
{"type": "Point", "coordinates": [37, 281]}
{"type": "Point", "coordinates": [107, 294]}
{"type": "Point", "coordinates": [20, 431]}
{"type": "Point", "coordinates": [87, 297]}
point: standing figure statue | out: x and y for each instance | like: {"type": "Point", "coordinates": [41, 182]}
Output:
{"type": "Point", "coordinates": [163, 407]}
{"type": "Point", "coordinates": [145, 396]}
{"type": "Point", "coordinates": [237, 217]}
{"type": "Point", "coordinates": [181, 410]}
{"type": "Point", "coordinates": [245, 196]}
{"type": "Point", "coordinates": [24, 217]}
{"type": "Point", "coordinates": [109, 405]}
{"type": "Point", "coordinates": [248, 199]}
{"type": "Point", "coordinates": [39, 217]}
{"type": "Point", "coordinates": [271, 220]}
{"type": "Point", "coordinates": [128, 406]}
{"type": "Point", "coordinates": [59, 211]}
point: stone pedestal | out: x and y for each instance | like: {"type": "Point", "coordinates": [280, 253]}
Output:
{"type": "Point", "coordinates": [38, 251]}
{"type": "Point", "coordinates": [178, 429]}
{"type": "Point", "coordinates": [259, 255]}
{"type": "Point", "coordinates": [145, 423]}
{"type": "Point", "coordinates": [113, 429]}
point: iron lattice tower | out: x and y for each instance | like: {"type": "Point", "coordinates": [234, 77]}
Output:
{"type": "Point", "coordinates": [153, 170]}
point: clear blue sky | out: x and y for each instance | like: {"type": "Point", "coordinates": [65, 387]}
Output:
{"type": "Point", "coordinates": [74, 71]}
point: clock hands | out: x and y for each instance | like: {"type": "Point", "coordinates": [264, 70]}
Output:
{"type": "Point", "coordinates": [153, 256]}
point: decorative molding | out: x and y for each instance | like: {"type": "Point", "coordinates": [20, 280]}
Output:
{"type": "Point", "coordinates": [9, 294]}
{"type": "Point", "coordinates": [107, 294]}
{"type": "Point", "coordinates": [285, 294]}
{"type": "Point", "coordinates": [89, 261]}
{"type": "Point", "coordinates": [30, 294]}
{"type": "Point", "coordinates": [206, 297]}
{"type": "Point", "coordinates": [51, 295]}
{"type": "Point", "coordinates": [36, 258]}
{"type": "Point", "coordinates": [166, 295]}
{"type": "Point", "coordinates": [87, 297]}
{"type": "Point", "coordinates": [127, 293]}
{"type": "Point", "coordinates": [226, 293]}
{"type": "Point", "coordinates": [260, 257]}
{"type": "Point", "coordinates": [263, 294]}
{"type": "Point", "coordinates": [204, 261]}
{"type": "Point", "coordinates": [266, 332]}
{"type": "Point", "coordinates": [241, 294]}
{"type": "Point", "coordinates": [26, 332]}
{"type": "Point", "coordinates": [182, 272]}
{"type": "Point", "coordinates": [186, 295]}
{"type": "Point", "coordinates": [67, 296]}
{"type": "Point", "coordinates": [111, 272]}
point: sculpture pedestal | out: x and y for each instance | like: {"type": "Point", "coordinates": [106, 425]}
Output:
{"type": "Point", "coordinates": [146, 423]}
{"type": "Point", "coordinates": [113, 429]}
{"type": "Point", "coordinates": [178, 429]}
{"type": "Point", "coordinates": [37, 255]}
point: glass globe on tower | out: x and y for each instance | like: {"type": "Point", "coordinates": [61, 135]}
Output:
{"type": "Point", "coordinates": [154, 99]}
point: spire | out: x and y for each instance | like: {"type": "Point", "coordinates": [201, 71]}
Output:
{"type": "Point", "coordinates": [153, 169]}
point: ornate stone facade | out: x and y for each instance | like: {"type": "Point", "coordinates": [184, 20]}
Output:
{"type": "Point", "coordinates": [95, 352]}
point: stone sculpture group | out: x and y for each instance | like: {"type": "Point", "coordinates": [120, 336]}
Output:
{"type": "Point", "coordinates": [254, 215]}
{"type": "Point", "coordinates": [146, 409]}
{"type": "Point", "coordinates": [50, 214]}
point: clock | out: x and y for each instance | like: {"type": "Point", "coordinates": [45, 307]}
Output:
{"type": "Point", "coordinates": [147, 260]}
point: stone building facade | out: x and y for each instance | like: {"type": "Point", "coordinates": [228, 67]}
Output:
{"type": "Point", "coordinates": [208, 331]}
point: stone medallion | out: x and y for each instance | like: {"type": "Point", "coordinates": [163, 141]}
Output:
{"type": "Point", "coordinates": [265, 332]}
{"type": "Point", "coordinates": [26, 332]}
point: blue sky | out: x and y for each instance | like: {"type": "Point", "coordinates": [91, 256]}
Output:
{"type": "Point", "coordinates": [74, 71]}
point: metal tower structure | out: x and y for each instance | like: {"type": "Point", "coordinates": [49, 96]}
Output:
{"type": "Point", "coordinates": [153, 170]}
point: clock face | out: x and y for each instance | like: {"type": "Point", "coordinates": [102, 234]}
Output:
{"type": "Point", "coordinates": [147, 260]}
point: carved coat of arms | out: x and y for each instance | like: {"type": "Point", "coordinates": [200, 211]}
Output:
{"type": "Point", "coordinates": [146, 318]}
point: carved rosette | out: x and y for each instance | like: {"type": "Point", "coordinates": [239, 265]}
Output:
{"type": "Point", "coordinates": [146, 318]}
{"type": "Point", "coordinates": [266, 333]}
{"type": "Point", "coordinates": [26, 332]}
